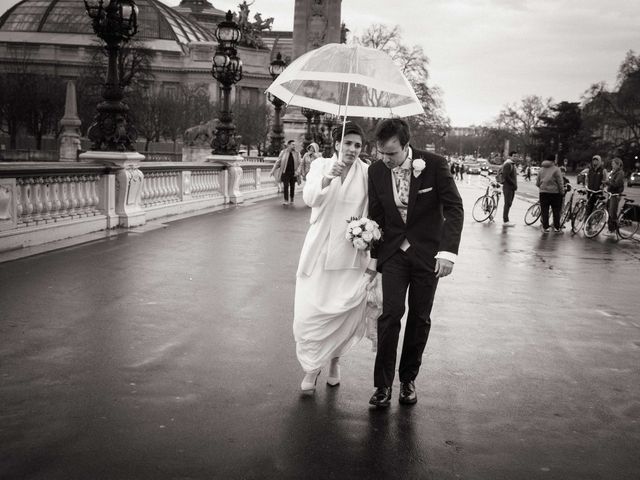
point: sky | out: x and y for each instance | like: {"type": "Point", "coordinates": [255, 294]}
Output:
{"type": "Point", "coordinates": [485, 54]}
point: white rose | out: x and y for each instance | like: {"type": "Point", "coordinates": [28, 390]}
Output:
{"type": "Point", "coordinates": [353, 224]}
{"type": "Point", "coordinates": [356, 231]}
{"type": "Point", "coordinates": [418, 164]}
{"type": "Point", "coordinates": [376, 234]}
{"type": "Point", "coordinates": [367, 236]}
{"type": "Point", "coordinates": [360, 244]}
{"type": "Point", "coordinates": [368, 226]}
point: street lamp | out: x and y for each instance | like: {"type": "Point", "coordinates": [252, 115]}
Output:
{"type": "Point", "coordinates": [329, 121]}
{"type": "Point", "coordinates": [308, 113]}
{"type": "Point", "coordinates": [277, 136]}
{"type": "Point", "coordinates": [115, 22]}
{"type": "Point", "coordinates": [226, 69]}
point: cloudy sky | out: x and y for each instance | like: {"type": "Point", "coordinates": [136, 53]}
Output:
{"type": "Point", "coordinates": [487, 53]}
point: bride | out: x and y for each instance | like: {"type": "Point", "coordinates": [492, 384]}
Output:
{"type": "Point", "coordinates": [332, 275]}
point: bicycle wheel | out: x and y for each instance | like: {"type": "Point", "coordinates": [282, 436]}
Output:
{"type": "Point", "coordinates": [566, 213]}
{"type": "Point", "coordinates": [595, 223]}
{"type": "Point", "coordinates": [628, 223]}
{"type": "Point", "coordinates": [533, 214]}
{"type": "Point", "coordinates": [482, 209]}
{"type": "Point", "coordinates": [577, 219]}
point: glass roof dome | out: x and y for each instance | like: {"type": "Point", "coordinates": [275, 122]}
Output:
{"type": "Point", "coordinates": [156, 21]}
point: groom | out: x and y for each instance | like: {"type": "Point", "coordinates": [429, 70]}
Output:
{"type": "Point", "coordinates": [414, 199]}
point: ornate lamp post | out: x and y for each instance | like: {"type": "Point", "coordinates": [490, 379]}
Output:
{"type": "Point", "coordinates": [329, 121]}
{"type": "Point", "coordinates": [226, 69]}
{"type": "Point", "coordinates": [115, 22]}
{"type": "Point", "coordinates": [277, 136]}
{"type": "Point", "coordinates": [308, 113]}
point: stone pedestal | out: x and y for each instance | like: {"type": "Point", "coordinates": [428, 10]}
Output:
{"type": "Point", "coordinates": [315, 23]}
{"type": "Point", "coordinates": [70, 123]}
{"type": "Point", "coordinates": [196, 154]}
{"type": "Point", "coordinates": [128, 184]}
{"type": "Point", "coordinates": [232, 191]}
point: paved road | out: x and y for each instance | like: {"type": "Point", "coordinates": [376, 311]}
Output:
{"type": "Point", "coordinates": [167, 354]}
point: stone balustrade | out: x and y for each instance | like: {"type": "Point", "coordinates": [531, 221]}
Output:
{"type": "Point", "coordinates": [45, 202]}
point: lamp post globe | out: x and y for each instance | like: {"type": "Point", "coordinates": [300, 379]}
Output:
{"type": "Point", "coordinates": [276, 67]}
{"type": "Point", "coordinates": [227, 70]}
{"type": "Point", "coordinates": [115, 22]}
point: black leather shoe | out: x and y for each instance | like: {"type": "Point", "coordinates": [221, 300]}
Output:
{"type": "Point", "coordinates": [381, 397]}
{"type": "Point", "coordinates": [408, 393]}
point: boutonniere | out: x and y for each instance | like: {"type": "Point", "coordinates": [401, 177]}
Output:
{"type": "Point", "coordinates": [418, 165]}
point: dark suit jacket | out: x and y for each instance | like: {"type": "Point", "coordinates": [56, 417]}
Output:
{"type": "Point", "coordinates": [434, 215]}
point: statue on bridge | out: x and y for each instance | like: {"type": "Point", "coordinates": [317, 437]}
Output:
{"type": "Point", "coordinates": [251, 32]}
{"type": "Point", "coordinates": [200, 135]}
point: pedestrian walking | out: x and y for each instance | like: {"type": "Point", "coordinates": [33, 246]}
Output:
{"type": "Point", "coordinates": [411, 192]}
{"type": "Point", "coordinates": [331, 281]}
{"type": "Point", "coordinates": [285, 170]}
{"type": "Point", "coordinates": [313, 152]}
{"type": "Point", "coordinates": [509, 179]}
{"type": "Point", "coordinates": [551, 193]}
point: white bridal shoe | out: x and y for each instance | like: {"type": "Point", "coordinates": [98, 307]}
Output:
{"type": "Point", "coordinates": [333, 379]}
{"type": "Point", "coordinates": [309, 381]}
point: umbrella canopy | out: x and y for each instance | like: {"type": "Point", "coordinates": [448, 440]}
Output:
{"type": "Point", "coordinates": [347, 80]}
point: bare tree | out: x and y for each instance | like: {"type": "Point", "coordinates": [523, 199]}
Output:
{"type": "Point", "coordinates": [522, 119]}
{"type": "Point", "coordinates": [252, 124]}
{"type": "Point", "coordinates": [413, 62]}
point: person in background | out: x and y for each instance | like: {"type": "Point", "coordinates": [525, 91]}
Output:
{"type": "Point", "coordinates": [285, 170]}
{"type": "Point", "coordinates": [615, 184]}
{"type": "Point", "coordinates": [313, 152]}
{"type": "Point", "coordinates": [595, 179]}
{"type": "Point", "coordinates": [509, 186]}
{"type": "Point", "coordinates": [551, 186]}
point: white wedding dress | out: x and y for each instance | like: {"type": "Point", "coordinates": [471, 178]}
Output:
{"type": "Point", "coordinates": [331, 294]}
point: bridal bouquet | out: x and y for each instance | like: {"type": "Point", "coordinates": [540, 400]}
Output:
{"type": "Point", "coordinates": [363, 232]}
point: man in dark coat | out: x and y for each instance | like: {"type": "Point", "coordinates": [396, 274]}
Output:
{"type": "Point", "coordinates": [509, 186]}
{"type": "Point", "coordinates": [414, 199]}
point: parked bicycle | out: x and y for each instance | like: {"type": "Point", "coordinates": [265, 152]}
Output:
{"type": "Point", "coordinates": [532, 214]}
{"type": "Point", "coordinates": [626, 224]}
{"type": "Point", "coordinates": [580, 209]}
{"type": "Point", "coordinates": [486, 205]}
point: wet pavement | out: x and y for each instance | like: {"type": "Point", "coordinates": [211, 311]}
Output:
{"type": "Point", "coordinates": [167, 353]}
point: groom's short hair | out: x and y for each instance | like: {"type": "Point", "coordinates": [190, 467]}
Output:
{"type": "Point", "coordinates": [393, 127]}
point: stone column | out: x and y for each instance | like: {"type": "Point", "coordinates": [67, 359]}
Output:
{"type": "Point", "coordinates": [232, 162]}
{"type": "Point", "coordinates": [70, 123]}
{"type": "Point", "coordinates": [128, 184]}
{"type": "Point", "coordinates": [315, 23]}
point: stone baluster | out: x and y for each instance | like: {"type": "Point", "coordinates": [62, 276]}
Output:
{"type": "Point", "coordinates": [64, 197]}
{"type": "Point", "coordinates": [37, 199]}
{"type": "Point", "coordinates": [73, 199]}
{"type": "Point", "coordinates": [19, 196]}
{"type": "Point", "coordinates": [80, 193]}
{"type": "Point", "coordinates": [47, 199]}
{"type": "Point", "coordinates": [94, 192]}
{"type": "Point", "coordinates": [56, 203]}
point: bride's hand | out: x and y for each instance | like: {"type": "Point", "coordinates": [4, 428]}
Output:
{"type": "Point", "coordinates": [336, 169]}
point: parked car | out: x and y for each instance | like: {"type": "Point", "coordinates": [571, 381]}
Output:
{"type": "Point", "coordinates": [634, 179]}
{"type": "Point", "coordinates": [472, 168]}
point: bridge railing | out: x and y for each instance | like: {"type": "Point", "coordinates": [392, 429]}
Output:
{"type": "Point", "coordinates": [41, 202]}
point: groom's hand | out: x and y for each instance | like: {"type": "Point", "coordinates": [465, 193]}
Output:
{"type": "Point", "coordinates": [443, 267]}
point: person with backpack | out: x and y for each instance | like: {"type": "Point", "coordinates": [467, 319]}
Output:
{"type": "Point", "coordinates": [507, 176]}
{"type": "Point", "coordinates": [551, 185]}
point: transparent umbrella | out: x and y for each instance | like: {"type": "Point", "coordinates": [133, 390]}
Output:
{"type": "Point", "coordinates": [347, 80]}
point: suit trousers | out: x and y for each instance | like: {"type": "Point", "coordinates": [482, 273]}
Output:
{"type": "Point", "coordinates": [401, 271]}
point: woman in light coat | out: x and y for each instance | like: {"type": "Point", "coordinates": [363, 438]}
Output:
{"type": "Point", "coordinates": [331, 281]}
